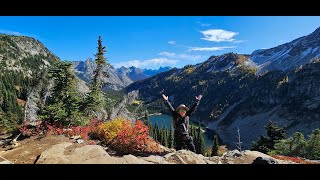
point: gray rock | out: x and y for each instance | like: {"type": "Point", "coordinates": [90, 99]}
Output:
{"type": "Point", "coordinates": [80, 141]}
{"type": "Point", "coordinates": [233, 153]}
{"type": "Point", "coordinates": [4, 161]}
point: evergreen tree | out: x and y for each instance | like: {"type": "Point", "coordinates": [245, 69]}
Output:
{"type": "Point", "coordinates": [164, 136]}
{"type": "Point", "coordinates": [200, 149]}
{"type": "Point", "coordinates": [64, 103]}
{"type": "Point", "coordinates": [146, 117]}
{"type": "Point", "coordinates": [313, 145]}
{"type": "Point", "coordinates": [171, 136]}
{"type": "Point", "coordinates": [156, 132]}
{"type": "Point", "coordinates": [266, 144]}
{"type": "Point", "coordinates": [293, 146]}
{"type": "Point", "coordinates": [95, 101]}
{"type": "Point", "coordinates": [215, 146]}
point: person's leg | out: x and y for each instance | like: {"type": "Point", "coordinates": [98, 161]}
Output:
{"type": "Point", "coordinates": [178, 141]}
{"type": "Point", "coordinates": [189, 143]}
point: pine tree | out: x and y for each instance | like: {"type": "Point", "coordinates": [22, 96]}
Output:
{"type": "Point", "coordinates": [215, 146]}
{"type": "Point", "coordinates": [200, 142]}
{"type": "Point", "coordinates": [313, 145]}
{"type": "Point", "coordinates": [266, 144]}
{"type": "Point", "coordinates": [146, 117]}
{"type": "Point", "coordinates": [293, 146]}
{"type": "Point", "coordinates": [100, 61]}
{"type": "Point", "coordinates": [171, 136]}
{"type": "Point", "coordinates": [95, 101]}
{"type": "Point", "coordinates": [164, 136]}
{"type": "Point", "coordinates": [63, 105]}
{"type": "Point", "coordinates": [156, 132]}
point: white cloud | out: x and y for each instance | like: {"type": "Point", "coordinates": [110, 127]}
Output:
{"type": "Point", "coordinates": [183, 56]}
{"type": "Point", "coordinates": [203, 24]}
{"type": "Point", "coordinates": [172, 42]}
{"type": "Point", "coordinates": [218, 35]}
{"type": "Point", "coordinates": [210, 48]}
{"type": "Point", "coordinates": [168, 54]}
{"type": "Point", "coordinates": [154, 63]}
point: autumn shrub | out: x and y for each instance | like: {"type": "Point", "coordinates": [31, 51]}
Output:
{"type": "Point", "coordinates": [107, 131]}
{"type": "Point", "coordinates": [131, 138]}
{"type": "Point", "coordinates": [58, 129]}
{"type": "Point", "coordinates": [83, 131]}
{"type": "Point", "coordinates": [27, 130]}
{"type": "Point", "coordinates": [294, 159]}
{"type": "Point", "coordinates": [222, 150]}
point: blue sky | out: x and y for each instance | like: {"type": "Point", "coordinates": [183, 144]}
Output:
{"type": "Point", "coordinates": [154, 41]}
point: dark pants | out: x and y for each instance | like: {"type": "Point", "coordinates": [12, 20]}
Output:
{"type": "Point", "coordinates": [183, 141]}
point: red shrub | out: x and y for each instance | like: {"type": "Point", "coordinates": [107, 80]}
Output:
{"type": "Point", "coordinates": [131, 139]}
{"type": "Point", "coordinates": [293, 159]}
{"type": "Point", "coordinates": [25, 131]}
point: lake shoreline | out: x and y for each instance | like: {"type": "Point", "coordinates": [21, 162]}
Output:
{"type": "Point", "coordinates": [161, 119]}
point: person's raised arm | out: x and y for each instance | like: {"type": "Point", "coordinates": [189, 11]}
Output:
{"type": "Point", "coordinates": [166, 98]}
{"type": "Point", "coordinates": [194, 106]}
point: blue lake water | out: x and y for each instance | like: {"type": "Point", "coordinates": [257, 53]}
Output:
{"type": "Point", "coordinates": [166, 119]}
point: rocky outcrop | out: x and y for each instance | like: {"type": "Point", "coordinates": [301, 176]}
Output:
{"type": "Point", "coordinates": [4, 161]}
{"type": "Point", "coordinates": [69, 153]}
{"type": "Point", "coordinates": [39, 94]}
{"type": "Point", "coordinates": [119, 110]}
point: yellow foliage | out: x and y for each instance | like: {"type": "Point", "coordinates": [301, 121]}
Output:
{"type": "Point", "coordinates": [135, 102]}
{"type": "Point", "coordinates": [173, 78]}
{"type": "Point", "coordinates": [169, 78]}
{"type": "Point", "coordinates": [189, 70]}
{"type": "Point", "coordinates": [109, 130]}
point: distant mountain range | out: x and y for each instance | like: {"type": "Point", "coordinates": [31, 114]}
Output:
{"type": "Point", "coordinates": [246, 91]}
{"type": "Point", "coordinates": [118, 77]}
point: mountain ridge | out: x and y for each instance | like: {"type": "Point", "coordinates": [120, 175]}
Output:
{"type": "Point", "coordinates": [118, 77]}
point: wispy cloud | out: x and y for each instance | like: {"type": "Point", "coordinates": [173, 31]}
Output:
{"type": "Point", "coordinates": [183, 56]}
{"type": "Point", "coordinates": [149, 64]}
{"type": "Point", "coordinates": [218, 35]}
{"type": "Point", "coordinates": [168, 54]}
{"type": "Point", "coordinates": [172, 42]}
{"type": "Point", "coordinates": [238, 41]}
{"type": "Point", "coordinates": [11, 32]}
{"type": "Point", "coordinates": [16, 33]}
{"type": "Point", "coordinates": [219, 48]}
{"type": "Point", "coordinates": [203, 24]}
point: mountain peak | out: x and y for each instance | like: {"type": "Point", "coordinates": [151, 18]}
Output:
{"type": "Point", "coordinates": [289, 55]}
{"type": "Point", "coordinates": [317, 30]}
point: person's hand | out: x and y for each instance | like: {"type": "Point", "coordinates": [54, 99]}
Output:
{"type": "Point", "coordinates": [165, 97]}
{"type": "Point", "coordinates": [199, 97]}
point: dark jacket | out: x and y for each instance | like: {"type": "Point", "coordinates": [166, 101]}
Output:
{"type": "Point", "coordinates": [181, 124]}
